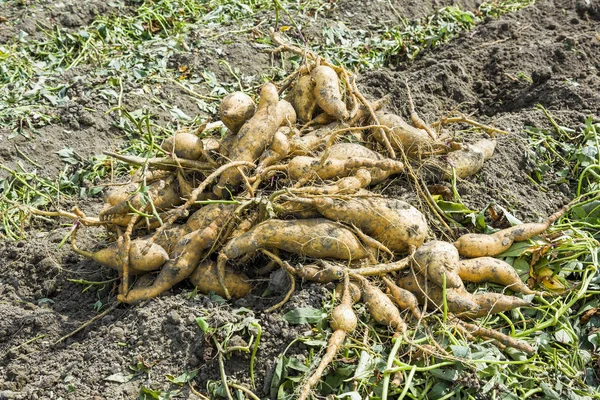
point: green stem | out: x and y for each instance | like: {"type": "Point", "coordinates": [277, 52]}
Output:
{"type": "Point", "coordinates": [390, 361]}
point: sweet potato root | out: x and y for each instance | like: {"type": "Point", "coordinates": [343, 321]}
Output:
{"type": "Point", "coordinates": [469, 160]}
{"type": "Point", "coordinates": [381, 308]}
{"type": "Point", "coordinates": [327, 92]}
{"type": "Point", "coordinates": [286, 113]}
{"type": "Point", "coordinates": [490, 303]}
{"type": "Point", "coordinates": [277, 151]}
{"type": "Point", "coordinates": [164, 195]}
{"type": "Point", "coordinates": [316, 238]}
{"type": "Point", "coordinates": [403, 135]}
{"type": "Point", "coordinates": [140, 258]}
{"type": "Point", "coordinates": [303, 98]}
{"type": "Point", "coordinates": [488, 269]}
{"type": "Point", "coordinates": [394, 223]}
{"type": "Point", "coordinates": [323, 273]}
{"type": "Point", "coordinates": [203, 217]}
{"type": "Point", "coordinates": [235, 109]}
{"type": "Point", "coordinates": [186, 255]}
{"type": "Point", "coordinates": [118, 194]}
{"type": "Point", "coordinates": [253, 138]}
{"type": "Point", "coordinates": [206, 280]}
{"type": "Point", "coordinates": [458, 301]}
{"type": "Point", "coordinates": [479, 245]}
{"type": "Point", "coordinates": [184, 145]}
{"type": "Point", "coordinates": [403, 298]}
{"type": "Point", "coordinates": [355, 291]}
{"type": "Point", "coordinates": [435, 259]}
{"type": "Point", "coordinates": [302, 167]}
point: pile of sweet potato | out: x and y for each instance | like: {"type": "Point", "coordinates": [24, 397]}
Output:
{"type": "Point", "coordinates": [294, 181]}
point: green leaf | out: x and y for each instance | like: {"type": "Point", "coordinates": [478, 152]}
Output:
{"type": "Point", "coordinates": [516, 250]}
{"type": "Point", "coordinates": [120, 377]}
{"type": "Point", "coordinates": [294, 363]}
{"type": "Point", "coordinates": [203, 325]}
{"type": "Point", "coordinates": [305, 315]}
{"type": "Point", "coordinates": [349, 395]}
{"type": "Point", "coordinates": [510, 218]}
{"type": "Point", "coordinates": [439, 390]}
{"type": "Point", "coordinates": [278, 375]}
{"type": "Point", "coordinates": [450, 207]}
{"type": "Point", "coordinates": [183, 378]}
{"type": "Point", "coordinates": [446, 374]}
{"type": "Point", "coordinates": [562, 336]}
{"type": "Point", "coordinates": [148, 394]}
{"type": "Point", "coordinates": [461, 351]}
{"type": "Point", "coordinates": [549, 392]}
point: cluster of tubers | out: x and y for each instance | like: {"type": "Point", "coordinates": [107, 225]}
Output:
{"type": "Point", "coordinates": [290, 181]}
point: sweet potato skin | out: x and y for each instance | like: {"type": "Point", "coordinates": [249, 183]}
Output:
{"type": "Point", "coordinates": [163, 195]}
{"type": "Point", "coordinates": [317, 238]}
{"type": "Point", "coordinates": [394, 223]}
{"type": "Point", "coordinates": [205, 279]}
{"type": "Point", "coordinates": [480, 245]}
{"type": "Point", "coordinates": [140, 260]}
{"type": "Point", "coordinates": [435, 259]}
{"type": "Point", "coordinates": [468, 161]}
{"type": "Point", "coordinates": [286, 113]}
{"type": "Point", "coordinates": [381, 308]}
{"type": "Point", "coordinates": [303, 166]}
{"type": "Point", "coordinates": [184, 145]}
{"type": "Point", "coordinates": [253, 138]}
{"type": "Point", "coordinates": [491, 303]}
{"type": "Point", "coordinates": [412, 140]}
{"type": "Point", "coordinates": [303, 98]}
{"type": "Point", "coordinates": [488, 269]}
{"type": "Point", "coordinates": [327, 92]}
{"type": "Point", "coordinates": [458, 300]}
{"type": "Point", "coordinates": [235, 109]}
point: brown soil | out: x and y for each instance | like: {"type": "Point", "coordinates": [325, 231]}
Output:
{"type": "Point", "coordinates": [554, 42]}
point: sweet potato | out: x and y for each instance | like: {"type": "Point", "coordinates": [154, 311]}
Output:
{"type": "Point", "coordinates": [117, 194]}
{"type": "Point", "coordinates": [435, 259]}
{"type": "Point", "coordinates": [488, 269]}
{"type": "Point", "coordinates": [343, 316]}
{"type": "Point", "coordinates": [302, 166]}
{"type": "Point", "coordinates": [403, 298]}
{"type": "Point", "coordinates": [277, 151]}
{"type": "Point", "coordinates": [394, 223]}
{"type": "Point", "coordinates": [310, 142]}
{"type": "Point", "coordinates": [235, 109]}
{"type": "Point", "coordinates": [204, 216]}
{"type": "Point", "coordinates": [355, 292]}
{"type": "Point", "coordinates": [168, 238]}
{"type": "Point", "coordinates": [469, 160]}
{"type": "Point", "coordinates": [317, 238]}
{"type": "Point", "coordinates": [303, 98]}
{"type": "Point", "coordinates": [253, 138]}
{"type": "Point", "coordinates": [333, 345]}
{"type": "Point", "coordinates": [458, 300]}
{"type": "Point", "coordinates": [323, 273]}
{"type": "Point", "coordinates": [381, 308]}
{"type": "Point", "coordinates": [184, 259]}
{"type": "Point", "coordinates": [140, 258]}
{"type": "Point", "coordinates": [164, 195]}
{"type": "Point", "coordinates": [403, 135]}
{"type": "Point", "coordinates": [286, 113]}
{"type": "Point", "coordinates": [184, 145]}
{"type": "Point", "coordinates": [480, 245]}
{"type": "Point", "coordinates": [491, 303]}
{"type": "Point", "coordinates": [327, 92]}
{"type": "Point", "coordinates": [206, 280]}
